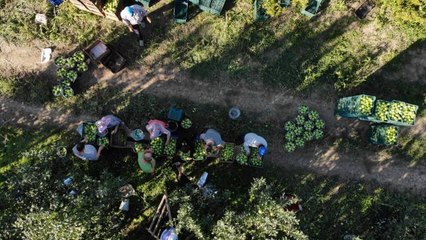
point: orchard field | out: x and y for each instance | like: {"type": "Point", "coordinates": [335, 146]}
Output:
{"type": "Point", "coordinates": [349, 188]}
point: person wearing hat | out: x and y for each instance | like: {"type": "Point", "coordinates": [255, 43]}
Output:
{"type": "Point", "coordinates": [212, 139]}
{"type": "Point", "coordinates": [146, 161]}
{"type": "Point", "coordinates": [256, 141]}
{"type": "Point", "coordinates": [156, 128]}
{"type": "Point", "coordinates": [134, 17]}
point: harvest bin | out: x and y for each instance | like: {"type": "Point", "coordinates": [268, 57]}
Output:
{"type": "Point", "coordinates": [101, 53]}
{"type": "Point", "coordinates": [395, 112]}
{"type": "Point", "coordinates": [232, 157]}
{"type": "Point", "coordinates": [180, 11]}
{"type": "Point", "coordinates": [211, 6]}
{"type": "Point", "coordinates": [350, 107]}
{"type": "Point", "coordinates": [96, 7]}
{"type": "Point", "coordinates": [312, 8]}
{"type": "Point", "coordinates": [199, 146]}
{"type": "Point", "coordinates": [377, 134]}
{"type": "Point", "coordinates": [258, 11]}
{"type": "Point", "coordinates": [252, 159]}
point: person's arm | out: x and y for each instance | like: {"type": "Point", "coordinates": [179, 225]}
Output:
{"type": "Point", "coordinates": [115, 129]}
{"type": "Point", "coordinates": [127, 23]}
{"type": "Point", "coordinates": [150, 130]}
{"type": "Point", "coordinates": [167, 132]}
{"type": "Point", "coordinates": [246, 148]}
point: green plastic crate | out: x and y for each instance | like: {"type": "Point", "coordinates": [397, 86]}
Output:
{"type": "Point", "coordinates": [253, 157]}
{"type": "Point", "coordinates": [285, 3]}
{"type": "Point", "coordinates": [259, 13]}
{"type": "Point", "coordinates": [390, 121]}
{"type": "Point", "coordinates": [377, 134]}
{"type": "Point", "coordinates": [205, 5]}
{"type": "Point", "coordinates": [180, 13]}
{"type": "Point", "coordinates": [401, 123]}
{"type": "Point", "coordinates": [240, 150]}
{"type": "Point", "coordinates": [349, 107]}
{"type": "Point", "coordinates": [175, 114]}
{"type": "Point", "coordinates": [216, 6]}
{"type": "Point", "coordinates": [203, 156]}
{"type": "Point", "coordinates": [146, 3]}
{"type": "Point", "coordinates": [230, 146]}
{"type": "Point", "coordinates": [312, 8]}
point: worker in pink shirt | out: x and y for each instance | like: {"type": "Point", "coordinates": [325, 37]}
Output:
{"type": "Point", "coordinates": [156, 128]}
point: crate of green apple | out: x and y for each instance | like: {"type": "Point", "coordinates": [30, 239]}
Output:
{"type": "Point", "coordinates": [199, 152]}
{"type": "Point", "coordinates": [89, 131]}
{"type": "Point", "coordinates": [241, 157]}
{"type": "Point", "coordinates": [67, 73]}
{"type": "Point", "coordinates": [157, 144]}
{"type": "Point", "coordinates": [170, 148]}
{"type": "Point", "coordinates": [254, 160]}
{"type": "Point", "coordinates": [395, 112]}
{"type": "Point", "coordinates": [383, 134]}
{"type": "Point", "coordinates": [228, 153]}
{"type": "Point", "coordinates": [356, 106]}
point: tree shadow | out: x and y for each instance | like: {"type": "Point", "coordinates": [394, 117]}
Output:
{"type": "Point", "coordinates": [402, 78]}
{"type": "Point", "coordinates": [278, 62]}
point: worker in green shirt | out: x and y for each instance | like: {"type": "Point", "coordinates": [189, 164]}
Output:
{"type": "Point", "coordinates": [146, 161]}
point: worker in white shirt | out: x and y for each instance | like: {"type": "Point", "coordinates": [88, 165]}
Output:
{"type": "Point", "coordinates": [135, 17]}
{"type": "Point", "coordinates": [256, 141]}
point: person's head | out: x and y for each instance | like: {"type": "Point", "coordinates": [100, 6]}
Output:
{"type": "Point", "coordinates": [147, 156]}
{"type": "Point", "coordinates": [149, 127]}
{"type": "Point", "coordinates": [102, 127]}
{"type": "Point", "coordinates": [80, 146]}
{"type": "Point", "coordinates": [262, 150]}
{"type": "Point", "coordinates": [209, 147]}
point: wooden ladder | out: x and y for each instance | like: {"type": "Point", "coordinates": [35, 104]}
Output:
{"type": "Point", "coordinates": [162, 212]}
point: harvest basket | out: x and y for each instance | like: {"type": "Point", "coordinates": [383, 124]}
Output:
{"type": "Point", "coordinates": [252, 159]}
{"type": "Point", "coordinates": [199, 148]}
{"type": "Point", "coordinates": [377, 135]}
{"type": "Point", "coordinates": [180, 11]}
{"type": "Point", "coordinates": [388, 112]}
{"type": "Point", "coordinates": [350, 107]}
{"type": "Point", "coordinates": [228, 147]}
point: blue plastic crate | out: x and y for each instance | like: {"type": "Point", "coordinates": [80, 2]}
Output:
{"type": "Point", "coordinates": [175, 114]}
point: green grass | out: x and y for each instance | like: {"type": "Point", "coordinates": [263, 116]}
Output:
{"type": "Point", "coordinates": [31, 87]}
{"type": "Point", "coordinates": [290, 51]}
{"type": "Point", "coordinates": [69, 25]}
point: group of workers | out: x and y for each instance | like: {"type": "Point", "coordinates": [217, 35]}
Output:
{"type": "Point", "coordinates": [110, 124]}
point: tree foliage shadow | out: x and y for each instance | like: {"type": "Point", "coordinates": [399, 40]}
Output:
{"type": "Point", "coordinates": [282, 61]}
{"type": "Point", "coordinates": [405, 89]}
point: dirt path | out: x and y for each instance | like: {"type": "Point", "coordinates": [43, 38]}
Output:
{"type": "Point", "coordinates": [27, 115]}
{"type": "Point", "coordinates": [275, 106]}
{"type": "Point", "coordinates": [264, 104]}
